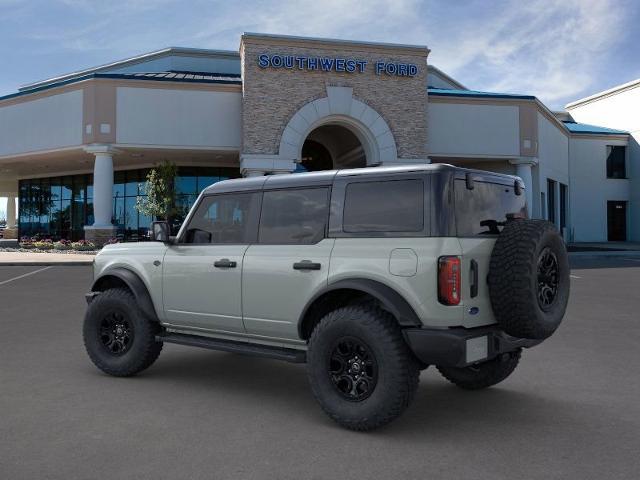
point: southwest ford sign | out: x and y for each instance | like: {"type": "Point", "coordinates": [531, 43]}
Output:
{"type": "Point", "coordinates": [331, 64]}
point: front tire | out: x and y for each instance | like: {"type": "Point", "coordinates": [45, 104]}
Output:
{"type": "Point", "coordinates": [483, 375]}
{"type": "Point", "coordinates": [120, 340]}
{"type": "Point", "coordinates": [361, 371]}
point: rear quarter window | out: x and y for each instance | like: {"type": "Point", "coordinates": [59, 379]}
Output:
{"type": "Point", "coordinates": [384, 206]}
{"type": "Point", "coordinates": [484, 210]}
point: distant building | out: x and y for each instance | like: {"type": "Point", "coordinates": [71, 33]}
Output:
{"type": "Point", "coordinates": [75, 148]}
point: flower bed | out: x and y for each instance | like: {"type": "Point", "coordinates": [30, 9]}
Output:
{"type": "Point", "coordinates": [47, 245]}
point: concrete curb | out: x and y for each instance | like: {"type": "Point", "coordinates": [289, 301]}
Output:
{"type": "Point", "coordinates": [616, 253]}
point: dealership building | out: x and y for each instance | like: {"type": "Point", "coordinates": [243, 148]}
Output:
{"type": "Point", "coordinates": [75, 149]}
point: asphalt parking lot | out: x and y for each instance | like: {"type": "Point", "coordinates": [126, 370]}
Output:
{"type": "Point", "coordinates": [571, 410]}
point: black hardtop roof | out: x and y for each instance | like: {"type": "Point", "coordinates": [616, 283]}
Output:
{"type": "Point", "coordinates": [326, 177]}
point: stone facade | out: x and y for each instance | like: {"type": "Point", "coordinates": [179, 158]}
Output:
{"type": "Point", "coordinates": [272, 96]}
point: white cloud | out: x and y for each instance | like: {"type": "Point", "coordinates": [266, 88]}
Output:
{"type": "Point", "coordinates": [554, 49]}
{"type": "Point", "coordinates": [548, 48]}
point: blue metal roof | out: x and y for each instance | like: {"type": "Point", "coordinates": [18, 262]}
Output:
{"type": "Point", "coordinates": [575, 127]}
{"type": "Point", "coordinates": [188, 77]}
{"type": "Point", "coordinates": [444, 92]}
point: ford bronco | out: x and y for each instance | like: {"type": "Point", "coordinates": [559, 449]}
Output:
{"type": "Point", "coordinates": [366, 275]}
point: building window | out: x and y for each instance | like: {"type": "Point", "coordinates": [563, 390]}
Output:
{"type": "Point", "coordinates": [551, 200]}
{"type": "Point", "coordinates": [563, 206]}
{"type": "Point", "coordinates": [616, 161]}
{"type": "Point", "coordinates": [60, 207]}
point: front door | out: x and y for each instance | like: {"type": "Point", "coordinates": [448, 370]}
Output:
{"type": "Point", "coordinates": [289, 263]}
{"type": "Point", "coordinates": [202, 274]}
{"type": "Point", "coordinates": [617, 221]}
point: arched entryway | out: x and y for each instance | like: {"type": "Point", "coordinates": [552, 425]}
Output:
{"type": "Point", "coordinates": [332, 146]}
{"type": "Point", "coordinates": [337, 130]}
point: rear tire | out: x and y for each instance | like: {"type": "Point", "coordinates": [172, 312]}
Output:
{"type": "Point", "coordinates": [361, 371]}
{"type": "Point", "coordinates": [118, 337]}
{"type": "Point", "coordinates": [483, 375]}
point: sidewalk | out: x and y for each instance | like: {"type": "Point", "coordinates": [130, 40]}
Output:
{"type": "Point", "coordinates": [45, 259]}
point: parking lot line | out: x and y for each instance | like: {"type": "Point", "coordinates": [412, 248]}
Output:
{"type": "Point", "coordinates": [25, 275]}
{"type": "Point", "coordinates": [574, 276]}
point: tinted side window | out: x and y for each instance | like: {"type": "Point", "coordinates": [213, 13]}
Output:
{"type": "Point", "coordinates": [296, 216]}
{"type": "Point", "coordinates": [483, 210]}
{"type": "Point", "coordinates": [385, 206]}
{"type": "Point", "coordinates": [228, 218]}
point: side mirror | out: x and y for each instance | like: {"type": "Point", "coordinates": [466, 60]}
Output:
{"type": "Point", "coordinates": [160, 232]}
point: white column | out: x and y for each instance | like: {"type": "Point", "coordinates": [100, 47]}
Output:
{"type": "Point", "coordinates": [253, 173]}
{"type": "Point", "coordinates": [523, 170]}
{"type": "Point", "coordinates": [11, 211]}
{"type": "Point", "coordinates": [102, 185]}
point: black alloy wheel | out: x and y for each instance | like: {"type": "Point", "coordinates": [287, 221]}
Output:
{"type": "Point", "coordinates": [116, 333]}
{"type": "Point", "coordinates": [353, 369]}
{"type": "Point", "coordinates": [547, 278]}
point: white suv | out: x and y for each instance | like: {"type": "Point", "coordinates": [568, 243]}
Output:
{"type": "Point", "coordinates": [367, 275]}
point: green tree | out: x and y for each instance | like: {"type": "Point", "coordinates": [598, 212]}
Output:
{"type": "Point", "coordinates": [160, 199]}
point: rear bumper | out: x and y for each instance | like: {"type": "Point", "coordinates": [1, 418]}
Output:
{"type": "Point", "coordinates": [460, 347]}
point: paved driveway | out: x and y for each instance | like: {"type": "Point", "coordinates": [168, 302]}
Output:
{"type": "Point", "coordinates": [571, 410]}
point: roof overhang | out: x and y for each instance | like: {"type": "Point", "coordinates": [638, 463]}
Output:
{"type": "Point", "coordinates": [145, 57]}
{"type": "Point", "coordinates": [605, 93]}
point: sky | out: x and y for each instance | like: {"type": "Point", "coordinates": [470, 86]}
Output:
{"type": "Point", "coordinates": [558, 50]}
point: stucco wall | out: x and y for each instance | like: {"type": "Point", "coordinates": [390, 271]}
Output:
{"type": "Point", "coordinates": [621, 111]}
{"type": "Point", "coordinates": [467, 129]}
{"type": "Point", "coordinates": [590, 188]}
{"type": "Point", "coordinates": [553, 163]}
{"type": "Point", "coordinates": [272, 96]}
{"type": "Point", "coordinates": [45, 123]}
{"type": "Point", "coordinates": [165, 117]}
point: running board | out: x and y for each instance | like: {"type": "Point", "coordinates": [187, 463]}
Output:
{"type": "Point", "coordinates": [267, 351]}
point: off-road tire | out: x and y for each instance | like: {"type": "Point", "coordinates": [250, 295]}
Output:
{"type": "Point", "coordinates": [515, 280]}
{"type": "Point", "coordinates": [483, 375]}
{"type": "Point", "coordinates": [397, 369]}
{"type": "Point", "coordinates": [143, 349]}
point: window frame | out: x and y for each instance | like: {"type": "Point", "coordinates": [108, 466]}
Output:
{"type": "Point", "coordinates": [336, 219]}
{"type": "Point", "coordinates": [625, 172]}
{"type": "Point", "coordinates": [325, 232]}
{"type": "Point", "coordinates": [252, 224]}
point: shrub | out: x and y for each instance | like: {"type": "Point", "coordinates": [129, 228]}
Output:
{"type": "Point", "coordinates": [83, 246]}
{"type": "Point", "coordinates": [62, 245]}
{"type": "Point", "coordinates": [43, 244]}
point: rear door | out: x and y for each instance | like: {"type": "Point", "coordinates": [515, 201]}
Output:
{"type": "Point", "coordinates": [289, 263]}
{"type": "Point", "coordinates": [480, 215]}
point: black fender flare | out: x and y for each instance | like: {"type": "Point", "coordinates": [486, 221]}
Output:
{"type": "Point", "coordinates": [391, 300]}
{"type": "Point", "coordinates": [135, 284]}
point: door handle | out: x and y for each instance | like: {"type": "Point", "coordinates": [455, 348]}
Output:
{"type": "Point", "coordinates": [473, 290]}
{"type": "Point", "coordinates": [224, 263]}
{"type": "Point", "coordinates": [306, 265]}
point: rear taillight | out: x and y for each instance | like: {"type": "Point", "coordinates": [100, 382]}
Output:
{"type": "Point", "coordinates": [449, 280]}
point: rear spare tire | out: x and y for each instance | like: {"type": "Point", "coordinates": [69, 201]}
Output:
{"type": "Point", "coordinates": [529, 279]}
